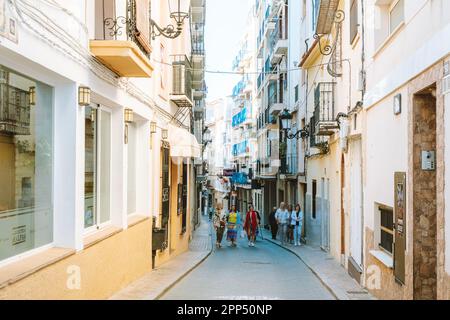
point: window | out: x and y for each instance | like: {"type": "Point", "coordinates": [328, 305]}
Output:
{"type": "Point", "coordinates": [26, 164]}
{"type": "Point", "coordinates": [315, 13]}
{"type": "Point", "coordinates": [296, 93]}
{"type": "Point", "coordinates": [354, 20]}
{"type": "Point", "coordinates": [131, 168]}
{"type": "Point", "coordinates": [165, 186]}
{"type": "Point", "coordinates": [97, 166]}
{"type": "Point", "coordinates": [314, 194]}
{"type": "Point", "coordinates": [386, 229]}
{"type": "Point", "coordinates": [396, 16]}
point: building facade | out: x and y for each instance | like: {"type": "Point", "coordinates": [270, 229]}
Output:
{"type": "Point", "coordinates": [89, 117]}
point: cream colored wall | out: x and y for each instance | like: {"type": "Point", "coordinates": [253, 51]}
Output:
{"type": "Point", "coordinates": [105, 268]}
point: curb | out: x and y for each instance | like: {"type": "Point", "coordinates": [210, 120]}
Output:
{"type": "Point", "coordinates": [309, 267]}
{"type": "Point", "coordinates": [181, 277]}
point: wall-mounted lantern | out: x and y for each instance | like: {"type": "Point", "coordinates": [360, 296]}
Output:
{"type": "Point", "coordinates": [165, 134]}
{"type": "Point", "coordinates": [128, 117]}
{"type": "Point", "coordinates": [84, 96]}
{"type": "Point", "coordinates": [32, 93]}
{"type": "Point", "coordinates": [152, 132]}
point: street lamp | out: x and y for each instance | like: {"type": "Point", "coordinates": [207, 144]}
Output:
{"type": "Point", "coordinates": [206, 137]}
{"type": "Point", "coordinates": [179, 11]}
{"type": "Point", "coordinates": [286, 118]}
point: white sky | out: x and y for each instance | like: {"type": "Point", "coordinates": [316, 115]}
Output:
{"type": "Point", "coordinates": [225, 21]}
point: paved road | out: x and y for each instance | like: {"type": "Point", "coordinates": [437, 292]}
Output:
{"type": "Point", "coordinates": [262, 272]}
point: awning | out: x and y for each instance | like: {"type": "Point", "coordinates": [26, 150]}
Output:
{"type": "Point", "coordinates": [183, 144]}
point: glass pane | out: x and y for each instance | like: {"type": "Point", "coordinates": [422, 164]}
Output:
{"type": "Point", "coordinates": [26, 172]}
{"type": "Point", "coordinates": [131, 192]}
{"type": "Point", "coordinates": [90, 171]}
{"type": "Point", "coordinates": [396, 16]}
{"type": "Point", "coordinates": [105, 166]}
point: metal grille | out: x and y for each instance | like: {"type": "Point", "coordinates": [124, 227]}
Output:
{"type": "Point", "coordinates": [182, 76]}
{"type": "Point", "coordinates": [324, 102]}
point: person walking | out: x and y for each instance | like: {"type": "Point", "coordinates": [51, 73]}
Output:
{"type": "Point", "coordinates": [233, 221]}
{"type": "Point", "coordinates": [290, 236]}
{"type": "Point", "coordinates": [273, 223]}
{"type": "Point", "coordinates": [219, 223]}
{"type": "Point", "coordinates": [282, 217]}
{"type": "Point", "coordinates": [297, 224]}
{"type": "Point", "coordinates": [250, 225]}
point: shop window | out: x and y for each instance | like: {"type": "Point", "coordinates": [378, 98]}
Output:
{"type": "Point", "coordinates": [26, 164]}
{"type": "Point", "coordinates": [165, 187]}
{"type": "Point", "coordinates": [97, 166]}
{"type": "Point", "coordinates": [386, 229]}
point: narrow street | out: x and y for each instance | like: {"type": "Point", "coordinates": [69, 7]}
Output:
{"type": "Point", "coordinates": [263, 272]}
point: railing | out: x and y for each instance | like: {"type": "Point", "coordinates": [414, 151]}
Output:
{"type": "Point", "coordinates": [324, 102]}
{"type": "Point", "coordinates": [14, 110]}
{"type": "Point", "coordinates": [240, 148]}
{"type": "Point", "coordinates": [198, 38]}
{"type": "Point", "coordinates": [126, 27]}
{"type": "Point", "coordinates": [240, 117]}
{"type": "Point", "coordinates": [182, 76]}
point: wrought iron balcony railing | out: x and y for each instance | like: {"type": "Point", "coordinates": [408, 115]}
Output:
{"type": "Point", "coordinates": [129, 27]}
{"type": "Point", "coordinates": [324, 109]}
{"type": "Point", "coordinates": [14, 110]}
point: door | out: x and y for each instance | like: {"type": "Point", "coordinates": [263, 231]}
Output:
{"type": "Point", "coordinates": [356, 203]}
{"type": "Point", "coordinates": [325, 210]}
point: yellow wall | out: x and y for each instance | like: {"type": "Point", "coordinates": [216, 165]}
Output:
{"type": "Point", "coordinates": [105, 268]}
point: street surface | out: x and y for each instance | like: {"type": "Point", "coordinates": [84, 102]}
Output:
{"type": "Point", "coordinates": [262, 272]}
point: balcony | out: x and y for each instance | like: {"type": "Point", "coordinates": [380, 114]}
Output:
{"type": "Point", "coordinates": [241, 149]}
{"type": "Point", "coordinates": [14, 110]}
{"type": "Point", "coordinates": [324, 109]}
{"type": "Point", "coordinates": [122, 43]}
{"type": "Point", "coordinates": [181, 93]}
{"type": "Point", "coordinates": [326, 15]}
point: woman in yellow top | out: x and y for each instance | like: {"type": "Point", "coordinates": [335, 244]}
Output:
{"type": "Point", "coordinates": [233, 220]}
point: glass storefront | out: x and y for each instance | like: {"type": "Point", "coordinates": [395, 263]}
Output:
{"type": "Point", "coordinates": [97, 166]}
{"type": "Point", "coordinates": [26, 170]}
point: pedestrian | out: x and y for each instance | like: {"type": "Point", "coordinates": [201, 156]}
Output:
{"type": "Point", "coordinates": [282, 215]}
{"type": "Point", "coordinates": [219, 224]}
{"type": "Point", "coordinates": [273, 223]}
{"type": "Point", "coordinates": [297, 222]}
{"type": "Point", "coordinates": [233, 221]}
{"type": "Point", "coordinates": [290, 226]}
{"type": "Point", "coordinates": [210, 213]}
{"type": "Point", "coordinates": [250, 225]}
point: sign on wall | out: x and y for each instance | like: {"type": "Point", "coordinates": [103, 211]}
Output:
{"type": "Point", "coordinates": [400, 226]}
{"type": "Point", "coordinates": [8, 24]}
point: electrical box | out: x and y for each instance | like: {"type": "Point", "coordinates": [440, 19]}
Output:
{"type": "Point", "coordinates": [428, 160]}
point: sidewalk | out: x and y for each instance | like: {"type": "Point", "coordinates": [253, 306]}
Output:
{"type": "Point", "coordinates": [328, 270]}
{"type": "Point", "coordinates": [158, 281]}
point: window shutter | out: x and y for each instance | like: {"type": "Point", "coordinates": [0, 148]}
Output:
{"type": "Point", "coordinates": [143, 23]}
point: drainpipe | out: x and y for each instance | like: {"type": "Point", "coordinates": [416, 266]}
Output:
{"type": "Point", "coordinates": [363, 71]}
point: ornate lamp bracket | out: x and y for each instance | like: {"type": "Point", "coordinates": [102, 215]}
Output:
{"type": "Point", "coordinates": [170, 31]}
{"type": "Point", "coordinates": [339, 17]}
